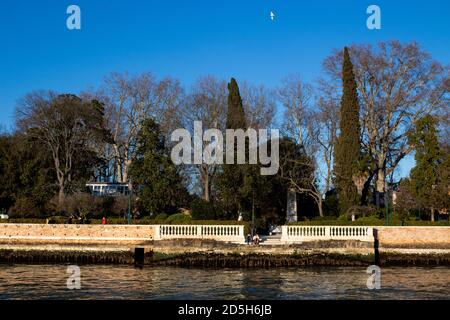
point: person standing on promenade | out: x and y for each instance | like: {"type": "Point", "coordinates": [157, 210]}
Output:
{"type": "Point", "coordinates": [104, 220]}
{"type": "Point", "coordinates": [256, 239]}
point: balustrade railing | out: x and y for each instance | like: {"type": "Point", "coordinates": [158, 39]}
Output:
{"type": "Point", "coordinates": [311, 233]}
{"type": "Point", "coordinates": [216, 232]}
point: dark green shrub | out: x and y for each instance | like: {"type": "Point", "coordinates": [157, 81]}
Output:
{"type": "Point", "coordinates": [331, 204]}
{"type": "Point", "coordinates": [368, 221]}
{"type": "Point", "coordinates": [177, 218]}
{"type": "Point", "coordinates": [161, 218]}
{"type": "Point", "coordinates": [24, 207]}
{"type": "Point", "coordinates": [204, 210]}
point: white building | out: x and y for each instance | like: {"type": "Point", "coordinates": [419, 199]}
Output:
{"type": "Point", "coordinates": [108, 189]}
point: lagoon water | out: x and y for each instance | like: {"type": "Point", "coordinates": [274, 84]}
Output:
{"type": "Point", "coordinates": [127, 282]}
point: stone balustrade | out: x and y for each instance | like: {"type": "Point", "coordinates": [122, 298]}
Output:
{"type": "Point", "coordinates": [438, 237]}
{"type": "Point", "coordinates": [313, 233]}
{"type": "Point", "coordinates": [234, 233]}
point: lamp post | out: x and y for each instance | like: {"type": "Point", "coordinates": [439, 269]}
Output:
{"type": "Point", "coordinates": [253, 212]}
{"type": "Point", "coordinates": [130, 193]}
{"type": "Point", "coordinates": [386, 202]}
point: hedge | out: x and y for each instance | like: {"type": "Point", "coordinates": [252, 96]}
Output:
{"type": "Point", "coordinates": [369, 222]}
{"type": "Point", "coordinates": [158, 220]}
{"type": "Point", "coordinates": [162, 219]}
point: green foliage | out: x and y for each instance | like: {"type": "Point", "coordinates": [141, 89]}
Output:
{"type": "Point", "coordinates": [28, 182]}
{"type": "Point", "coordinates": [368, 221]}
{"type": "Point", "coordinates": [161, 218]}
{"type": "Point", "coordinates": [24, 207]}
{"type": "Point", "coordinates": [429, 178]}
{"type": "Point", "coordinates": [362, 211]}
{"type": "Point", "coordinates": [178, 218]}
{"type": "Point", "coordinates": [347, 149]}
{"type": "Point", "coordinates": [204, 210]}
{"type": "Point", "coordinates": [235, 111]}
{"type": "Point", "coordinates": [342, 221]}
{"type": "Point", "coordinates": [160, 186]}
{"type": "Point", "coordinates": [343, 218]}
{"type": "Point", "coordinates": [231, 180]}
{"type": "Point", "coordinates": [441, 223]}
{"type": "Point", "coordinates": [406, 200]}
{"type": "Point", "coordinates": [65, 127]}
{"type": "Point", "coordinates": [331, 205]}
{"type": "Point", "coordinates": [256, 191]}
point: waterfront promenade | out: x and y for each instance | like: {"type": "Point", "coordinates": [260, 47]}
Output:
{"type": "Point", "coordinates": [203, 244]}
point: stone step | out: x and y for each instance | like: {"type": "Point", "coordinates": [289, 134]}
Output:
{"type": "Point", "coordinates": [271, 242]}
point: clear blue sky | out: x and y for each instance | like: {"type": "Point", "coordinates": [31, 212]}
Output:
{"type": "Point", "coordinates": [187, 39]}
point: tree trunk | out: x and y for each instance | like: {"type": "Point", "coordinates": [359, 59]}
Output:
{"type": "Point", "coordinates": [119, 173]}
{"type": "Point", "coordinates": [206, 186]}
{"type": "Point", "coordinates": [381, 180]}
{"type": "Point", "coordinates": [61, 180]}
{"type": "Point", "coordinates": [319, 205]}
{"type": "Point", "coordinates": [61, 195]}
{"type": "Point", "coordinates": [366, 189]}
{"type": "Point", "coordinates": [127, 164]}
{"type": "Point", "coordinates": [119, 170]}
{"type": "Point", "coordinates": [380, 185]}
{"type": "Point", "coordinates": [432, 214]}
{"type": "Point", "coordinates": [359, 181]}
{"type": "Point", "coordinates": [329, 174]}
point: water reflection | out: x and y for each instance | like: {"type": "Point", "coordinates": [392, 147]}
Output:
{"type": "Point", "coordinates": [126, 282]}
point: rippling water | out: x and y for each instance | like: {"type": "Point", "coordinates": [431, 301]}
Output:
{"type": "Point", "coordinates": [127, 282]}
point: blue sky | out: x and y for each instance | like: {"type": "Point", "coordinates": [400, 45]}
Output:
{"type": "Point", "coordinates": [187, 39]}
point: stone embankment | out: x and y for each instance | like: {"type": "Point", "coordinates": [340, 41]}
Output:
{"type": "Point", "coordinates": [405, 246]}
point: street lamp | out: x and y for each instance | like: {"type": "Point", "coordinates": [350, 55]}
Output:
{"type": "Point", "coordinates": [253, 212]}
{"type": "Point", "coordinates": [130, 193]}
{"type": "Point", "coordinates": [386, 202]}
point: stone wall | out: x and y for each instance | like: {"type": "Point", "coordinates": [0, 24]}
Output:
{"type": "Point", "coordinates": [71, 233]}
{"type": "Point", "coordinates": [419, 237]}
{"type": "Point", "coordinates": [115, 235]}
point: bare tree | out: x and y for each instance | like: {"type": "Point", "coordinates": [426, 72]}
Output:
{"type": "Point", "coordinates": [66, 126]}
{"type": "Point", "coordinates": [259, 105]}
{"type": "Point", "coordinates": [323, 127]}
{"type": "Point", "coordinates": [299, 171]}
{"type": "Point", "coordinates": [207, 102]}
{"type": "Point", "coordinates": [312, 125]}
{"type": "Point", "coordinates": [128, 101]}
{"type": "Point", "coordinates": [398, 84]}
{"type": "Point", "coordinates": [296, 96]}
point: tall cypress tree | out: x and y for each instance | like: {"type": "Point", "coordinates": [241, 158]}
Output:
{"type": "Point", "coordinates": [347, 149]}
{"type": "Point", "coordinates": [235, 112]}
{"type": "Point", "coordinates": [232, 178]}
{"type": "Point", "coordinates": [426, 176]}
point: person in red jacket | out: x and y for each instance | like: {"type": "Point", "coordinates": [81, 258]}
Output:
{"type": "Point", "coordinates": [104, 220]}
